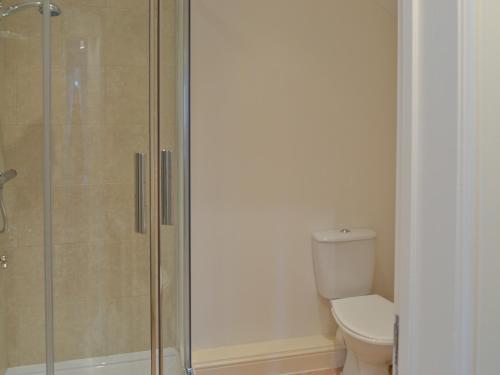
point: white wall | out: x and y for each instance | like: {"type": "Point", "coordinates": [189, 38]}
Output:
{"type": "Point", "coordinates": [293, 131]}
{"type": "Point", "coordinates": [488, 329]}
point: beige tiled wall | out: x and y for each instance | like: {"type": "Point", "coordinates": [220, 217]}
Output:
{"type": "Point", "coordinates": [3, 336]}
{"type": "Point", "coordinates": [100, 118]}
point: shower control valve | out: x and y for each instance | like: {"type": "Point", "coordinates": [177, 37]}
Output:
{"type": "Point", "coordinates": [3, 261]}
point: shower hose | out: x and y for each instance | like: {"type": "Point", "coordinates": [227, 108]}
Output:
{"type": "Point", "coordinates": [3, 212]}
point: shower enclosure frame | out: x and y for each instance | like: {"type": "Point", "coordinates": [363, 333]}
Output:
{"type": "Point", "coordinates": [153, 190]}
{"type": "Point", "coordinates": [184, 220]}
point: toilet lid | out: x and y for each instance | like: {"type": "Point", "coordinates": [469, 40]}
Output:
{"type": "Point", "coordinates": [369, 318]}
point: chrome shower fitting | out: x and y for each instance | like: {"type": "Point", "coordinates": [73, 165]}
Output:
{"type": "Point", "coordinates": [54, 9]}
{"type": "Point", "coordinates": [5, 177]}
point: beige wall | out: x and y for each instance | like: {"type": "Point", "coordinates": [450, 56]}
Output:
{"type": "Point", "coordinates": [293, 131]}
{"type": "Point", "coordinates": [100, 118]}
{"type": "Point", "coordinates": [488, 256]}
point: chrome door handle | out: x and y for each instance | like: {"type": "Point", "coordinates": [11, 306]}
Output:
{"type": "Point", "coordinates": [166, 187]}
{"type": "Point", "coordinates": [140, 192]}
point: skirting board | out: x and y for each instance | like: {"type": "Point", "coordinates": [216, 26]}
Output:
{"type": "Point", "coordinates": [288, 356]}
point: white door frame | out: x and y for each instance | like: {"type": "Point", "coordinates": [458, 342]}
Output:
{"type": "Point", "coordinates": [436, 178]}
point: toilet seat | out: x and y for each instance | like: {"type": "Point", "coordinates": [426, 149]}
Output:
{"type": "Point", "coordinates": [367, 318]}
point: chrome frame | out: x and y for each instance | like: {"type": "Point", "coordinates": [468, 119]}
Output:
{"type": "Point", "coordinates": [154, 130]}
{"type": "Point", "coordinates": [47, 190]}
{"type": "Point", "coordinates": [184, 197]}
{"type": "Point", "coordinates": [185, 140]}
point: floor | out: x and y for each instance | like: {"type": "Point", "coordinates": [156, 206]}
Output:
{"type": "Point", "coordinates": [330, 372]}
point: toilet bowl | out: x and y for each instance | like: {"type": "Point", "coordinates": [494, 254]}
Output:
{"type": "Point", "coordinates": [366, 323]}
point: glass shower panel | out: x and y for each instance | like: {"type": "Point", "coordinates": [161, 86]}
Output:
{"type": "Point", "coordinates": [22, 318]}
{"type": "Point", "coordinates": [77, 104]}
{"type": "Point", "coordinates": [100, 119]}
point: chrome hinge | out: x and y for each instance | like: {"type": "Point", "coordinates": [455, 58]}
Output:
{"type": "Point", "coordinates": [395, 353]}
{"type": "Point", "coordinates": [189, 371]}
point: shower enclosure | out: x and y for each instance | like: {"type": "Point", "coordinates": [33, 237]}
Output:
{"type": "Point", "coordinates": [94, 173]}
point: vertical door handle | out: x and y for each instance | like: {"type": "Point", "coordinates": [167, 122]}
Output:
{"type": "Point", "coordinates": [140, 192]}
{"type": "Point", "coordinates": [395, 348]}
{"type": "Point", "coordinates": [166, 187]}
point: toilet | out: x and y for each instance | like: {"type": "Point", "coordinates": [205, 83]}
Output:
{"type": "Point", "coordinates": [344, 262]}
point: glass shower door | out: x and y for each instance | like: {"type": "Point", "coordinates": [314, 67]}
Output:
{"type": "Point", "coordinates": [101, 239]}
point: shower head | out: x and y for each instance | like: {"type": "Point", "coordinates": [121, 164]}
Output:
{"type": "Point", "coordinates": [6, 176]}
{"type": "Point", "coordinates": [54, 9]}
